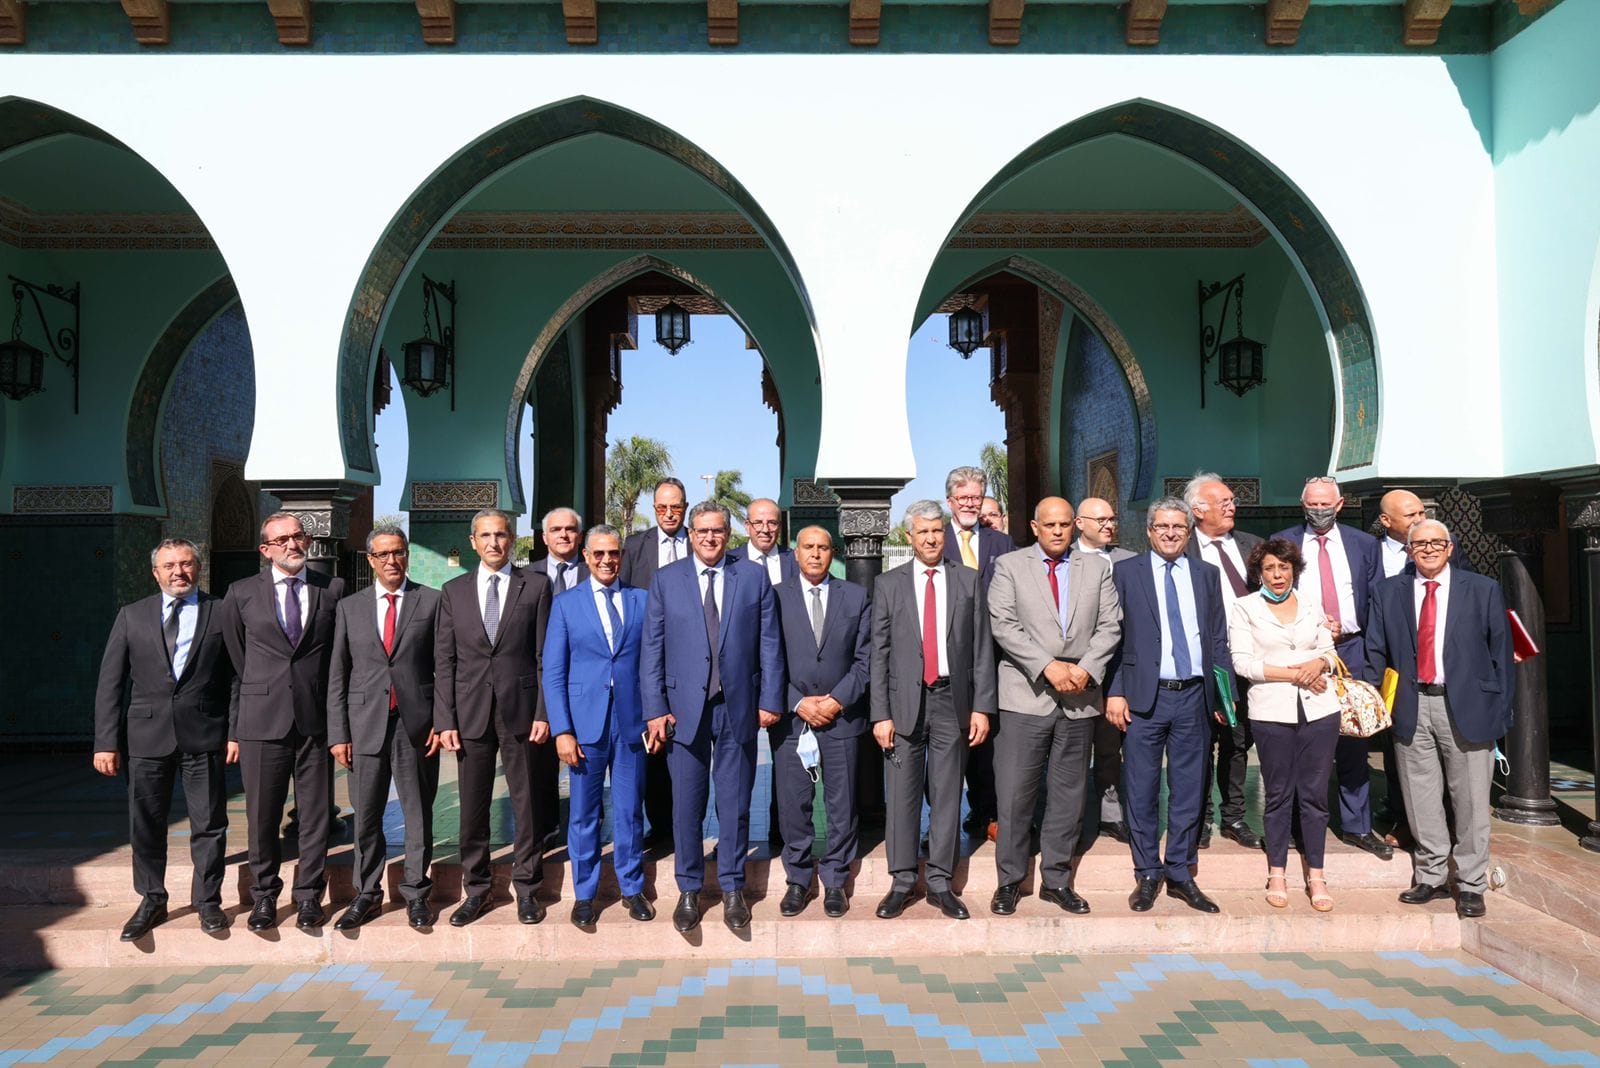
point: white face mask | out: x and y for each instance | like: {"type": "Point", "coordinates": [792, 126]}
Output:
{"type": "Point", "coordinates": [809, 752]}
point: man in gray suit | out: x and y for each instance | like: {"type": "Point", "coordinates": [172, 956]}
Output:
{"type": "Point", "coordinates": [1096, 523]}
{"type": "Point", "coordinates": [278, 626]}
{"type": "Point", "coordinates": [166, 687]}
{"type": "Point", "coordinates": [1057, 622]}
{"type": "Point", "coordinates": [380, 723]}
{"type": "Point", "coordinates": [932, 700]}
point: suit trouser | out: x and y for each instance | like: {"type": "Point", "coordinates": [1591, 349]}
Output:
{"type": "Point", "coordinates": [416, 780]}
{"type": "Point", "coordinates": [657, 793]}
{"type": "Point", "coordinates": [1394, 799]}
{"type": "Point", "coordinates": [625, 759]}
{"type": "Point", "coordinates": [476, 762]}
{"type": "Point", "coordinates": [981, 782]}
{"type": "Point", "coordinates": [1435, 760]}
{"type": "Point", "coordinates": [1107, 769]}
{"type": "Point", "coordinates": [150, 783]}
{"type": "Point", "coordinates": [1027, 749]}
{"type": "Point", "coordinates": [268, 767]}
{"type": "Point", "coordinates": [796, 795]}
{"type": "Point", "coordinates": [932, 756]}
{"type": "Point", "coordinates": [1230, 746]}
{"type": "Point", "coordinates": [1295, 758]}
{"type": "Point", "coordinates": [713, 751]}
{"type": "Point", "coordinates": [1178, 726]}
{"type": "Point", "coordinates": [1351, 765]}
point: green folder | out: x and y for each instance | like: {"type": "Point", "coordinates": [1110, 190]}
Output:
{"type": "Point", "coordinates": [1225, 695]}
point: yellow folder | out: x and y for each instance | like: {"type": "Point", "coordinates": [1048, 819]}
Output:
{"type": "Point", "coordinates": [1391, 682]}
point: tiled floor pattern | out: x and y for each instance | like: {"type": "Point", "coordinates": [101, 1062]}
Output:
{"type": "Point", "coordinates": [1268, 1009]}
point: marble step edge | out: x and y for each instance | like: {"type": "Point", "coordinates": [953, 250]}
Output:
{"type": "Point", "coordinates": [1553, 875]}
{"type": "Point", "coordinates": [1555, 958]}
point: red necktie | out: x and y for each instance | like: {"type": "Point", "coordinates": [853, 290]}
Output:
{"type": "Point", "coordinates": [1330, 592]}
{"type": "Point", "coordinates": [1055, 587]}
{"type": "Point", "coordinates": [1427, 623]}
{"type": "Point", "coordinates": [930, 633]}
{"type": "Point", "coordinates": [388, 642]}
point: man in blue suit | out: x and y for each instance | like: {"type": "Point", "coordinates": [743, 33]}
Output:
{"type": "Point", "coordinates": [711, 671]}
{"type": "Point", "coordinates": [591, 691]}
{"type": "Point", "coordinates": [1161, 690]}
{"type": "Point", "coordinates": [827, 639]}
{"type": "Point", "coordinates": [1343, 564]}
{"type": "Point", "coordinates": [1444, 632]}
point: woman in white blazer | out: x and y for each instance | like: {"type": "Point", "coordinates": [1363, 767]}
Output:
{"type": "Point", "coordinates": [1280, 642]}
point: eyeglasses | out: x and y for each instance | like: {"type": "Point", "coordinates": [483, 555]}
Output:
{"type": "Point", "coordinates": [285, 540]}
{"type": "Point", "coordinates": [391, 554]}
{"type": "Point", "coordinates": [1169, 528]}
{"type": "Point", "coordinates": [1431, 545]}
{"type": "Point", "coordinates": [604, 554]}
{"type": "Point", "coordinates": [711, 532]}
{"type": "Point", "coordinates": [1101, 520]}
{"type": "Point", "coordinates": [670, 507]}
{"type": "Point", "coordinates": [975, 498]}
{"type": "Point", "coordinates": [761, 524]}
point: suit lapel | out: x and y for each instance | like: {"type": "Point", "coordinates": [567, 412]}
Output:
{"type": "Point", "coordinates": [830, 614]}
{"type": "Point", "coordinates": [1150, 589]}
{"type": "Point", "coordinates": [1074, 588]}
{"type": "Point", "coordinates": [202, 620]}
{"type": "Point", "coordinates": [407, 610]}
{"type": "Point", "coordinates": [591, 613]}
{"type": "Point", "coordinates": [729, 585]}
{"type": "Point", "coordinates": [514, 586]}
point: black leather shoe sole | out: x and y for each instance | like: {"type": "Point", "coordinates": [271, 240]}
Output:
{"type": "Point", "coordinates": [1065, 899]}
{"type": "Point", "coordinates": [142, 923]}
{"type": "Point", "coordinates": [893, 904]}
{"type": "Point", "coordinates": [1421, 894]}
{"type": "Point", "coordinates": [835, 903]}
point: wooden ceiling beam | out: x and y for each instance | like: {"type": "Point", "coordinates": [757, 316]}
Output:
{"type": "Point", "coordinates": [13, 22]}
{"type": "Point", "coordinates": [1143, 27]}
{"type": "Point", "coordinates": [583, 25]}
{"type": "Point", "coordinates": [1005, 22]}
{"type": "Point", "coordinates": [1532, 7]}
{"type": "Point", "coordinates": [865, 20]}
{"type": "Point", "coordinates": [438, 21]}
{"type": "Point", "coordinates": [151, 19]}
{"type": "Point", "coordinates": [294, 20]}
{"type": "Point", "coordinates": [722, 22]}
{"type": "Point", "coordinates": [1283, 21]}
{"type": "Point", "coordinates": [1422, 19]}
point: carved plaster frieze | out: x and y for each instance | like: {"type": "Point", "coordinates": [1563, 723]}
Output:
{"type": "Point", "coordinates": [167, 231]}
{"type": "Point", "coordinates": [813, 493]}
{"type": "Point", "coordinates": [60, 500]}
{"type": "Point", "coordinates": [1236, 228]}
{"type": "Point", "coordinates": [454, 496]}
{"type": "Point", "coordinates": [1246, 488]}
{"type": "Point", "coordinates": [864, 522]}
{"type": "Point", "coordinates": [598, 229]}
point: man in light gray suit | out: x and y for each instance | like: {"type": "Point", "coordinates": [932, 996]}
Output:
{"type": "Point", "coordinates": [1057, 621]}
{"type": "Point", "coordinates": [932, 699]}
{"type": "Point", "coordinates": [380, 723]}
{"type": "Point", "coordinates": [1097, 536]}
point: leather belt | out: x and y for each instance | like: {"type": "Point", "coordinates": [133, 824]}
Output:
{"type": "Point", "coordinates": [1431, 689]}
{"type": "Point", "coordinates": [938, 684]}
{"type": "Point", "coordinates": [1178, 684]}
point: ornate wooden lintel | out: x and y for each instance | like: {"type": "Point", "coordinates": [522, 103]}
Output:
{"type": "Point", "coordinates": [583, 27]}
{"type": "Point", "coordinates": [1283, 21]}
{"type": "Point", "coordinates": [294, 20]}
{"type": "Point", "coordinates": [865, 17]}
{"type": "Point", "coordinates": [1532, 7]}
{"type": "Point", "coordinates": [722, 22]}
{"type": "Point", "coordinates": [13, 22]}
{"type": "Point", "coordinates": [1143, 27]}
{"type": "Point", "coordinates": [151, 19]}
{"type": "Point", "coordinates": [1422, 19]}
{"type": "Point", "coordinates": [1005, 22]}
{"type": "Point", "coordinates": [438, 21]}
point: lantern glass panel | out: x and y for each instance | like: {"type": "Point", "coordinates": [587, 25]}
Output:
{"type": "Point", "coordinates": [425, 366]}
{"type": "Point", "coordinates": [21, 369]}
{"type": "Point", "coordinates": [672, 327]}
{"type": "Point", "coordinates": [1240, 364]}
{"type": "Point", "coordinates": [966, 331]}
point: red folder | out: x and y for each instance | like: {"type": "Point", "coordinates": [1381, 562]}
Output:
{"type": "Point", "coordinates": [1522, 644]}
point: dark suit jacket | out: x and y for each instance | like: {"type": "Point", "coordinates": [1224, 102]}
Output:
{"type": "Point", "coordinates": [1478, 672]}
{"type": "Point", "coordinates": [639, 557]}
{"type": "Point", "coordinates": [362, 674]}
{"type": "Point", "coordinates": [788, 567]}
{"type": "Point", "coordinates": [992, 544]}
{"type": "Point", "coordinates": [542, 566]}
{"type": "Point", "coordinates": [1137, 666]}
{"type": "Point", "coordinates": [585, 681]}
{"type": "Point", "coordinates": [189, 715]}
{"type": "Point", "coordinates": [897, 646]}
{"type": "Point", "coordinates": [1366, 562]}
{"type": "Point", "coordinates": [471, 677]}
{"type": "Point", "coordinates": [1243, 540]}
{"type": "Point", "coordinates": [281, 687]}
{"type": "Point", "coordinates": [675, 664]}
{"type": "Point", "coordinates": [841, 668]}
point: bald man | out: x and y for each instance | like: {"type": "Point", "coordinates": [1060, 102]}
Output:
{"type": "Point", "coordinates": [763, 521]}
{"type": "Point", "coordinates": [1096, 523]}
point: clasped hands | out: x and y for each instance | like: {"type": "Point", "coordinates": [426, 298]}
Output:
{"type": "Point", "coordinates": [1066, 678]}
{"type": "Point", "coordinates": [1311, 675]}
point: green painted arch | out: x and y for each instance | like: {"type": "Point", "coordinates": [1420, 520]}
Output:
{"type": "Point", "coordinates": [1286, 212]}
{"type": "Point", "coordinates": [427, 210]}
{"type": "Point", "coordinates": [23, 121]}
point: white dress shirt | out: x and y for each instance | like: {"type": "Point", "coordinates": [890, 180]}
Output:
{"type": "Point", "coordinates": [188, 616]}
{"type": "Point", "coordinates": [671, 548]}
{"type": "Point", "coordinates": [720, 567]}
{"type": "Point", "coordinates": [1310, 584]}
{"type": "Point", "coordinates": [553, 563]}
{"type": "Point", "coordinates": [941, 625]}
{"type": "Point", "coordinates": [805, 594]}
{"type": "Point", "coordinates": [383, 605]}
{"type": "Point", "coordinates": [280, 590]}
{"type": "Point", "coordinates": [1441, 604]}
{"type": "Point", "coordinates": [483, 588]}
{"type": "Point", "coordinates": [770, 561]}
{"type": "Point", "coordinates": [599, 592]}
{"type": "Point", "coordinates": [1210, 551]}
{"type": "Point", "coordinates": [1191, 615]}
{"type": "Point", "coordinates": [1394, 557]}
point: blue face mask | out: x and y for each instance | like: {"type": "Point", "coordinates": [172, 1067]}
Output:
{"type": "Point", "coordinates": [809, 753]}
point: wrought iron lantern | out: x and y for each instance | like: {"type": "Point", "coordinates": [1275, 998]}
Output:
{"type": "Point", "coordinates": [966, 332]}
{"type": "Point", "coordinates": [22, 364]}
{"type": "Point", "coordinates": [672, 327]}
{"type": "Point", "coordinates": [428, 362]}
{"type": "Point", "coordinates": [1241, 360]}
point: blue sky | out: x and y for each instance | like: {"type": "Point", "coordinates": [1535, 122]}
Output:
{"type": "Point", "coordinates": [668, 397]}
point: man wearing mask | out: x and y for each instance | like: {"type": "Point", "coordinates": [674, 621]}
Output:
{"type": "Point", "coordinates": [1096, 524]}
{"type": "Point", "coordinates": [1343, 564]}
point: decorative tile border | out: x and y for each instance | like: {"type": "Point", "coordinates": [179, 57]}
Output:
{"type": "Point", "coordinates": [454, 496]}
{"type": "Point", "coordinates": [61, 500]}
{"type": "Point", "coordinates": [1237, 228]}
{"type": "Point", "coordinates": [1246, 488]}
{"type": "Point", "coordinates": [165, 232]}
{"type": "Point", "coordinates": [558, 230]}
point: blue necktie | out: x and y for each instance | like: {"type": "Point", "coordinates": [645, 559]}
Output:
{"type": "Point", "coordinates": [1180, 636]}
{"type": "Point", "coordinates": [616, 617]}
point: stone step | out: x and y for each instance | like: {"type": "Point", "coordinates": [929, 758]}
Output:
{"type": "Point", "coordinates": [65, 878]}
{"type": "Point", "coordinates": [1364, 920]}
{"type": "Point", "coordinates": [1553, 957]}
{"type": "Point", "coordinates": [1546, 870]}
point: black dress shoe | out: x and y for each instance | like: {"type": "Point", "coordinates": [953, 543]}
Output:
{"type": "Point", "coordinates": [1240, 832]}
{"type": "Point", "coordinates": [212, 918]}
{"type": "Point", "coordinates": [1066, 898]}
{"type": "Point", "coordinates": [309, 916]}
{"type": "Point", "coordinates": [1371, 843]}
{"type": "Point", "coordinates": [144, 918]}
{"type": "Point", "coordinates": [1117, 830]}
{"type": "Point", "coordinates": [1190, 894]}
{"type": "Point", "coordinates": [794, 900]}
{"type": "Point", "coordinates": [948, 904]}
{"type": "Point", "coordinates": [583, 913]}
{"type": "Point", "coordinates": [1205, 837]}
{"type": "Point", "coordinates": [1470, 905]}
{"type": "Point", "coordinates": [419, 915]}
{"type": "Point", "coordinates": [735, 913]}
{"type": "Point", "coordinates": [360, 911]}
{"type": "Point", "coordinates": [893, 904]}
{"type": "Point", "coordinates": [639, 908]}
{"type": "Point", "coordinates": [473, 907]}
{"type": "Point", "coordinates": [1004, 901]}
{"type": "Point", "coordinates": [1422, 893]}
{"type": "Point", "coordinates": [528, 909]}
{"type": "Point", "coordinates": [264, 916]}
{"type": "Point", "coordinates": [834, 901]}
{"type": "Point", "coordinates": [1143, 898]}
{"type": "Point", "coordinates": [686, 917]}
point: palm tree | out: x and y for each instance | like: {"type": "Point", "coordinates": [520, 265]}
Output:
{"type": "Point", "coordinates": [727, 491]}
{"type": "Point", "coordinates": [996, 464]}
{"type": "Point", "coordinates": [633, 468]}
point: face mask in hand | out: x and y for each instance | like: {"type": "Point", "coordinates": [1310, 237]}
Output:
{"type": "Point", "coordinates": [1320, 519]}
{"type": "Point", "coordinates": [809, 752]}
